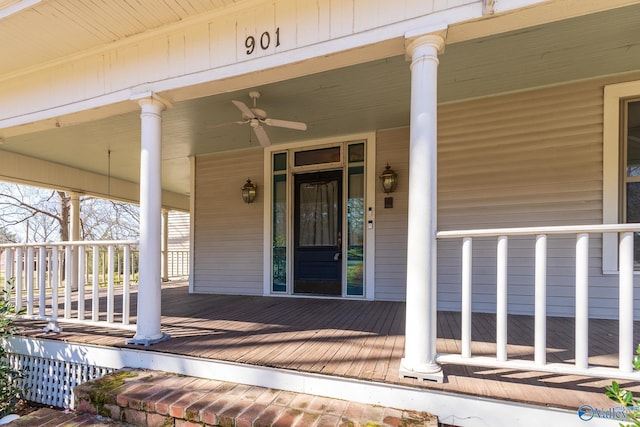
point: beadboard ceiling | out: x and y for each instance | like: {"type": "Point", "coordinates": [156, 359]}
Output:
{"type": "Point", "coordinates": [73, 26]}
{"type": "Point", "coordinates": [359, 98]}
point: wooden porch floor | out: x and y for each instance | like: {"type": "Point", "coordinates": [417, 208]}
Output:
{"type": "Point", "coordinates": [363, 340]}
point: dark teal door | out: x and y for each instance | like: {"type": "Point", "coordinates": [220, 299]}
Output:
{"type": "Point", "coordinates": [318, 233]}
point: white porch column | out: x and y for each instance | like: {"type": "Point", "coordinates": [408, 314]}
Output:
{"type": "Point", "coordinates": [74, 235]}
{"type": "Point", "coordinates": [420, 335]}
{"type": "Point", "coordinates": [165, 245]}
{"type": "Point", "coordinates": [149, 284]}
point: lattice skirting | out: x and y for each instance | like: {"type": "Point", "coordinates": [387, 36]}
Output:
{"type": "Point", "coordinates": [51, 382]}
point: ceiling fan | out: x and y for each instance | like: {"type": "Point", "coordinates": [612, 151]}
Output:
{"type": "Point", "coordinates": [256, 117]}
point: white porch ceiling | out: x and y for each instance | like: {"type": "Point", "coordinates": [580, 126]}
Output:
{"type": "Point", "coordinates": [356, 99]}
{"type": "Point", "coordinates": [52, 29]}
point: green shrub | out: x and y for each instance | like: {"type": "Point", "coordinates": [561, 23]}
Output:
{"type": "Point", "coordinates": [625, 397]}
{"type": "Point", "coordinates": [10, 391]}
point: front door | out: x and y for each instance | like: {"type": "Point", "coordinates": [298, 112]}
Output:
{"type": "Point", "coordinates": [318, 233]}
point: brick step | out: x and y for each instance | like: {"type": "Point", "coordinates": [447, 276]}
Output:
{"type": "Point", "coordinates": [154, 398]}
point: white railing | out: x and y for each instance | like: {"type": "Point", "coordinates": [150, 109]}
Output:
{"type": "Point", "coordinates": [56, 281]}
{"type": "Point", "coordinates": [178, 263]}
{"type": "Point", "coordinates": [581, 365]}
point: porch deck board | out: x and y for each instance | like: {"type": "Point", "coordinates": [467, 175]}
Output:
{"type": "Point", "coordinates": [371, 347]}
{"type": "Point", "coordinates": [380, 359]}
{"type": "Point", "coordinates": [362, 340]}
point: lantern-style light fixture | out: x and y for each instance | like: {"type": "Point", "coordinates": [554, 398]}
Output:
{"type": "Point", "coordinates": [389, 179]}
{"type": "Point", "coordinates": [249, 191]}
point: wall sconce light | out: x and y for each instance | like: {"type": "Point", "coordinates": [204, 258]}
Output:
{"type": "Point", "coordinates": [249, 191]}
{"type": "Point", "coordinates": [389, 179]}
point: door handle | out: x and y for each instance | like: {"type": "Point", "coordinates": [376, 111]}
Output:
{"type": "Point", "coordinates": [338, 254]}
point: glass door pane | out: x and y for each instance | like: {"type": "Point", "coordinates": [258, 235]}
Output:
{"type": "Point", "coordinates": [355, 232]}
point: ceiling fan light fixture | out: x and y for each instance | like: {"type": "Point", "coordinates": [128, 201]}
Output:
{"type": "Point", "coordinates": [256, 117]}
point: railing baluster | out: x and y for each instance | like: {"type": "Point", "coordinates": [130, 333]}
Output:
{"type": "Point", "coordinates": [501, 300]}
{"type": "Point", "coordinates": [8, 269]}
{"type": "Point", "coordinates": [110, 264]}
{"type": "Point", "coordinates": [81, 280]}
{"type": "Point", "coordinates": [49, 272]}
{"type": "Point", "coordinates": [540, 345]}
{"type": "Point", "coordinates": [42, 279]}
{"type": "Point", "coordinates": [467, 262]}
{"type": "Point", "coordinates": [582, 301]}
{"type": "Point", "coordinates": [68, 264]}
{"type": "Point", "coordinates": [19, 269]}
{"type": "Point", "coordinates": [625, 347]}
{"type": "Point", "coordinates": [28, 264]}
{"type": "Point", "coordinates": [95, 303]}
{"type": "Point", "coordinates": [126, 300]}
{"type": "Point", "coordinates": [55, 277]}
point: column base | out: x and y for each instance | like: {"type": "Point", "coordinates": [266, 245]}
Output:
{"type": "Point", "coordinates": [52, 326]}
{"type": "Point", "coordinates": [148, 341]}
{"type": "Point", "coordinates": [425, 371]}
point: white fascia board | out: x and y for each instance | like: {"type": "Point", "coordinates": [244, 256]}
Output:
{"type": "Point", "coordinates": [370, 45]}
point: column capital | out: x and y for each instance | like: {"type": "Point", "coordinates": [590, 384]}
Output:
{"type": "Point", "coordinates": [435, 40]}
{"type": "Point", "coordinates": [153, 100]}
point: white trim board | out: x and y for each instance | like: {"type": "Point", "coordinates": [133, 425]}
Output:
{"type": "Point", "coordinates": [461, 410]}
{"type": "Point", "coordinates": [370, 185]}
{"type": "Point", "coordinates": [613, 94]}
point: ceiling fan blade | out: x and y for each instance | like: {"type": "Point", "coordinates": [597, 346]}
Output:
{"type": "Point", "coordinates": [263, 139]}
{"type": "Point", "coordinates": [246, 111]}
{"type": "Point", "coordinates": [286, 124]}
{"type": "Point", "coordinates": [219, 125]}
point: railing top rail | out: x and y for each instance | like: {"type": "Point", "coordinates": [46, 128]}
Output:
{"type": "Point", "coordinates": [528, 231]}
{"type": "Point", "coordinates": [73, 243]}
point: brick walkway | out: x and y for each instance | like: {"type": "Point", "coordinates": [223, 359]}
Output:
{"type": "Point", "coordinates": [153, 398]}
{"type": "Point", "coordinates": [47, 417]}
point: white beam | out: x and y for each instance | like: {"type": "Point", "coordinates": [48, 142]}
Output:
{"type": "Point", "coordinates": [40, 173]}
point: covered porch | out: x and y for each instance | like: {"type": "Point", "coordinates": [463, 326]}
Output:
{"type": "Point", "coordinates": [362, 341]}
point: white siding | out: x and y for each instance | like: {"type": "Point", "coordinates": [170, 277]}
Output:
{"type": "Point", "coordinates": [391, 223]}
{"type": "Point", "coordinates": [523, 159]}
{"type": "Point", "coordinates": [228, 232]}
{"type": "Point", "coordinates": [178, 231]}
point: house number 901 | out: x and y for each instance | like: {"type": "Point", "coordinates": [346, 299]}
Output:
{"type": "Point", "coordinates": [264, 41]}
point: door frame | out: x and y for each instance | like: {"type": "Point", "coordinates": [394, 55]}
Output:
{"type": "Point", "coordinates": [370, 204]}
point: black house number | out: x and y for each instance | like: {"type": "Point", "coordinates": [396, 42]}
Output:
{"type": "Point", "coordinates": [263, 42]}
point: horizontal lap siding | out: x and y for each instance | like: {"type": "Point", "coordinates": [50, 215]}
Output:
{"type": "Point", "coordinates": [228, 232]}
{"type": "Point", "coordinates": [178, 231]}
{"type": "Point", "coordinates": [391, 223]}
{"type": "Point", "coordinates": [524, 159]}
